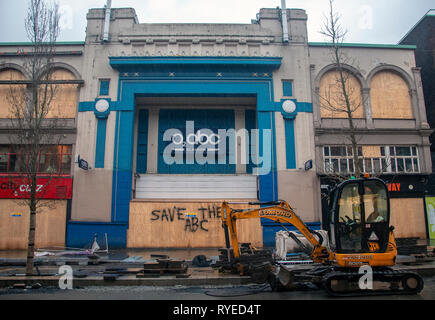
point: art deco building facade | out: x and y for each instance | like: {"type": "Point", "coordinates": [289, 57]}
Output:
{"type": "Point", "coordinates": [155, 108]}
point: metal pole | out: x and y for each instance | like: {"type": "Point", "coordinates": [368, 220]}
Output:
{"type": "Point", "coordinates": [285, 36]}
{"type": "Point", "coordinates": [107, 21]}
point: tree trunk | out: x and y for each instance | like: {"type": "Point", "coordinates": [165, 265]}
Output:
{"type": "Point", "coordinates": [31, 242]}
{"type": "Point", "coordinates": [30, 263]}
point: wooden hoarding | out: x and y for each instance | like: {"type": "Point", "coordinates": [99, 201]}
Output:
{"type": "Point", "coordinates": [185, 224]}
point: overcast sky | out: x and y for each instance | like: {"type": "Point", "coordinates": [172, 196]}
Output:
{"type": "Point", "coordinates": [367, 21]}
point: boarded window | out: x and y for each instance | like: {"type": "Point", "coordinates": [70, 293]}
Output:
{"type": "Point", "coordinates": [65, 100]}
{"type": "Point", "coordinates": [390, 97]}
{"type": "Point", "coordinates": [10, 95]}
{"type": "Point", "coordinates": [332, 98]}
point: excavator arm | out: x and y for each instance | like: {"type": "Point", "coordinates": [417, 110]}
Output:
{"type": "Point", "coordinates": [280, 212]}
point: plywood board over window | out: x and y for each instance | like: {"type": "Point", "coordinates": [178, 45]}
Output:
{"type": "Point", "coordinates": [14, 225]}
{"type": "Point", "coordinates": [371, 151]}
{"type": "Point", "coordinates": [332, 99]}
{"type": "Point", "coordinates": [389, 95]}
{"type": "Point", "coordinates": [8, 92]}
{"type": "Point", "coordinates": [408, 218]}
{"type": "Point", "coordinates": [64, 103]}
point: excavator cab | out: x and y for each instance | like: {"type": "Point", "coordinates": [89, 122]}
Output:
{"type": "Point", "coordinates": [359, 220]}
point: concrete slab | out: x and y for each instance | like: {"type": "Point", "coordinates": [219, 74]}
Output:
{"type": "Point", "coordinates": [405, 259]}
{"type": "Point", "coordinates": [196, 279]}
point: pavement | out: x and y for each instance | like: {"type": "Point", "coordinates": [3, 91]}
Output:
{"type": "Point", "coordinates": [89, 271]}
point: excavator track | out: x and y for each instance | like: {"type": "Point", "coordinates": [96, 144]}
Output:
{"type": "Point", "coordinates": [386, 281]}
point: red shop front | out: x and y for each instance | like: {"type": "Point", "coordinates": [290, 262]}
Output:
{"type": "Point", "coordinates": [51, 216]}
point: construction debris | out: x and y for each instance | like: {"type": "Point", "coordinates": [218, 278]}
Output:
{"type": "Point", "coordinates": [163, 267]}
{"type": "Point", "coordinates": [66, 251]}
{"type": "Point", "coordinates": [408, 246]}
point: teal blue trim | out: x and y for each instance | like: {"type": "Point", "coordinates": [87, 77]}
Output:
{"type": "Point", "coordinates": [89, 106]}
{"type": "Point", "coordinates": [274, 160]}
{"type": "Point", "coordinates": [188, 68]}
{"type": "Point", "coordinates": [119, 62]}
{"type": "Point", "coordinates": [261, 89]}
{"type": "Point", "coordinates": [290, 143]}
{"type": "Point", "coordinates": [104, 87]}
{"type": "Point", "coordinates": [287, 88]}
{"type": "Point", "coordinates": [304, 107]}
{"type": "Point", "coordinates": [115, 170]}
{"type": "Point", "coordinates": [100, 148]}
{"type": "Point", "coordinates": [250, 124]}
{"type": "Point", "coordinates": [364, 45]}
{"type": "Point", "coordinates": [300, 107]}
{"type": "Point", "coordinates": [102, 115]}
{"type": "Point", "coordinates": [290, 140]}
{"type": "Point", "coordinates": [268, 182]}
{"type": "Point", "coordinates": [122, 166]}
{"type": "Point", "coordinates": [142, 142]}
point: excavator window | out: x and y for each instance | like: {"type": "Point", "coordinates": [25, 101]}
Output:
{"type": "Point", "coordinates": [375, 203]}
{"type": "Point", "coordinates": [349, 218]}
{"type": "Point", "coordinates": [361, 219]}
{"type": "Point", "coordinates": [376, 207]}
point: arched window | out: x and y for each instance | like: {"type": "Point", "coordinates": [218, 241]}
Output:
{"type": "Point", "coordinates": [65, 99]}
{"type": "Point", "coordinates": [389, 95]}
{"type": "Point", "coordinates": [11, 94]}
{"type": "Point", "coordinates": [333, 100]}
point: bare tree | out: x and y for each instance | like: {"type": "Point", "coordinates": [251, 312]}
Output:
{"type": "Point", "coordinates": [31, 111]}
{"type": "Point", "coordinates": [342, 98]}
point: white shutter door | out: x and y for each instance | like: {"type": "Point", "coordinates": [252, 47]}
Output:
{"type": "Point", "coordinates": [196, 187]}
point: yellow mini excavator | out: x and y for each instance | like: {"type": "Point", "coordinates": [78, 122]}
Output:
{"type": "Point", "coordinates": [359, 236]}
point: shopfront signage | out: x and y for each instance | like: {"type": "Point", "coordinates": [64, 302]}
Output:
{"type": "Point", "coordinates": [393, 187]}
{"type": "Point", "coordinates": [55, 188]}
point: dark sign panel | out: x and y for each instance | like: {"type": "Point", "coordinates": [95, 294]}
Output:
{"type": "Point", "coordinates": [406, 186]}
{"type": "Point", "coordinates": [83, 164]}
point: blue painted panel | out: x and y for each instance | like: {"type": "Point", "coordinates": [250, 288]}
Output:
{"type": "Point", "coordinates": [270, 63]}
{"type": "Point", "coordinates": [268, 175]}
{"type": "Point", "coordinates": [100, 148]}
{"type": "Point", "coordinates": [121, 195]}
{"type": "Point", "coordinates": [269, 231]}
{"type": "Point", "coordinates": [124, 141]}
{"type": "Point", "coordinates": [304, 107]}
{"type": "Point", "coordinates": [142, 142]}
{"type": "Point", "coordinates": [203, 119]}
{"type": "Point", "coordinates": [250, 124]}
{"type": "Point", "coordinates": [287, 88]}
{"type": "Point", "coordinates": [81, 234]}
{"type": "Point", "coordinates": [290, 146]}
{"type": "Point", "coordinates": [122, 167]}
{"type": "Point", "coordinates": [104, 87]}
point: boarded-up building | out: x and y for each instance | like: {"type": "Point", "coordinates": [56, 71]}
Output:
{"type": "Point", "coordinates": [175, 118]}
